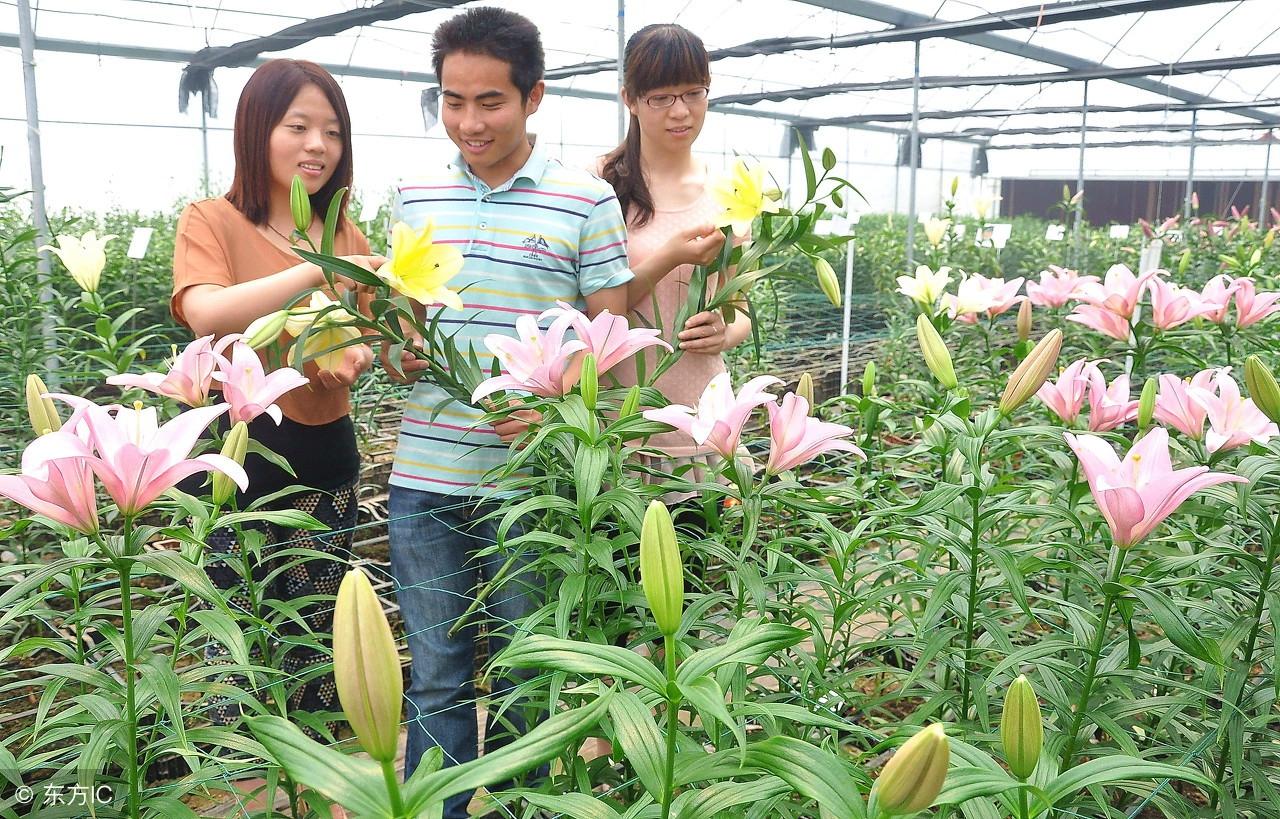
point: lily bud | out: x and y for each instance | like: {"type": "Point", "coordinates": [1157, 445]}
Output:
{"type": "Point", "coordinates": [955, 186]}
{"type": "Point", "coordinates": [1195, 201]}
{"type": "Point", "coordinates": [1032, 372]}
{"type": "Point", "coordinates": [661, 573]}
{"type": "Point", "coordinates": [1066, 192]}
{"type": "Point", "coordinates": [1075, 200]}
{"type": "Point", "coordinates": [631, 403]}
{"type": "Point", "coordinates": [300, 205]}
{"type": "Point", "coordinates": [804, 388]}
{"type": "Point", "coordinates": [588, 381]}
{"type": "Point", "coordinates": [366, 667]}
{"type": "Point", "coordinates": [234, 447]}
{"type": "Point", "coordinates": [913, 778]}
{"type": "Point", "coordinates": [1147, 403]}
{"type": "Point", "coordinates": [41, 410]}
{"type": "Point", "coordinates": [935, 352]}
{"type": "Point", "coordinates": [1256, 257]}
{"type": "Point", "coordinates": [1269, 239]}
{"type": "Point", "coordinates": [266, 329]}
{"type": "Point", "coordinates": [827, 280]}
{"type": "Point", "coordinates": [1021, 730]}
{"type": "Point", "coordinates": [1024, 320]}
{"type": "Point", "coordinates": [1262, 387]}
{"type": "Point", "coordinates": [869, 380]}
{"type": "Point", "coordinates": [1184, 262]}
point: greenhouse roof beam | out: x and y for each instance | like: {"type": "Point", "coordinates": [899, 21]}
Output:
{"type": "Point", "coordinates": [1070, 75]}
{"type": "Point", "coordinates": [1128, 143]}
{"type": "Point", "coordinates": [1028, 17]}
{"type": "Point", "coordinates": [1153, 107]}
{"type": "Point", "coordinates": [892, 15]}
{"type": "Point", "coordinates": [8, 40]}
{"type": "Point", "coordinates": [1150, 127]}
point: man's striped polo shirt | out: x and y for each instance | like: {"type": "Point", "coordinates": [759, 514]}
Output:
{"type": "Point", "coordinates": [550, 232]}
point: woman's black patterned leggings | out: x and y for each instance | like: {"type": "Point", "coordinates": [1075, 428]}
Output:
{"type": "Point", "coordinates": [283, 576]}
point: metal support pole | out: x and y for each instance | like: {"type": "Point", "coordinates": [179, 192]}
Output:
{"type": "Point", "coordinates": [915, 149]}
{"type": "Point", "coordinates": [27, 40]}
{"type": "Point", "coordinates": [1077, 247]}
{"type": "Point", "coordinates": [1191, 171]}
{"type": "Point", "coordinates": [622, 54]}
{"type": "Point", "coordinates": [204, 146]}
{"type": "Point", "coordinates": [1266, 179]}
{"type": "Point", "coordinates": [848, 315]}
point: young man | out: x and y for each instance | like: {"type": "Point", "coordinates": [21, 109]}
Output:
{"type": "Point", "coordinates": [532, 231]}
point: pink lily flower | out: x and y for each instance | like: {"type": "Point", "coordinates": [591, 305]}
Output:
{"type": "Point", "coordinates": [534, 362]}
{"type": "Point", "coordinates": [188, 379]}
{"type": "Point", "coordinates": [1275, 217]}
{"type": "Point", "coordinates": [1172, 305]}
{"type": "Point", "coordinates": [248, 388]}
{"type": "Point", "coordinates": [1216, 297]}
{"type": "Point", "coordinates": [798, 438]}
{"type": "Point", "coordinates": [1176, 408]}
{"type": "Point", "coordinates": [718, 419]}
{"type": "Point", "coordinates": [1109, 407]}
{"type": "Point", "coordinates": [1252, 306]}
{"type": "Point", "coordinates": [1066, 397]}
{"type": "Point", "coordinates": [136, 458]}
{"type": "Point", "coordinates": [1059, 285]}
{"type": "Point", "coordinates": [1121, 290]}
{"type": "Point", "coordinates": [55, 482]}
{"type": "Point", "coordinates": [979, 294]}
{"type": "Point", "coordinates": [1233, 420]}
{"type": "Point", "coordinates": [610, 338]}
{"type": "Point", "coordinates": [1137, 493]}
{"type": "Point", "coordinates": [1102, 320]}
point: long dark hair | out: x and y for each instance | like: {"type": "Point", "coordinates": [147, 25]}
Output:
{"type": "Point", "coordinates": [263, 103]}
{"type": "Point", "coordinates": [657, 56]}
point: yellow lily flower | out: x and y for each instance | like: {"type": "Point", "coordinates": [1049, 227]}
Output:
{"type": "Point", "coordinates": [935, 230]}
{"type": "Point", "coordinates": [741, 197]}
{"type": "Point", "coordinates": [328, 332]}
{"type": "Point", "coordinates": [420, 269]}
{"type": "Point", "coordinates": [83, 257]}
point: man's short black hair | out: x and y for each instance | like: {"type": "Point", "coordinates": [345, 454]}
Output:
{"type": "Point", "coordinates": [498, 33]}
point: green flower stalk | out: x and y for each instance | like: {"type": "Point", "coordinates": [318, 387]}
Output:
{"type": "Point", "coordinates": [1262, 387]}
{"type": "Point", "coordinates": [234, 447]}
{"type": "Point", "coordinates": [804, 388]}
{"type": "Point", "coordinates": [366, 667]}
{"type": "Point", "coordinates": [300, 205]}
{"type": "Point", "coordinates": [913, 778]}
{"type": "Point", "coordinates": [1032, 372]}
{"type": "Point", "coordinates": [42, 412]}
{"type": "Point", "coordinates": [589, 382]}
{"type": "Point", "coordinates": [1021, 729]}
{"type": "Point", "coordinates": [1147, 403]}
{"type": "Point", "coordinates": [266, 329]}
{"type": "Point", "coordinates": [827, 280]}
{"type": "Point", "coordinates": [936, 355]}
{"type": "Point", "coordinates": [1024, 320]}
{"type": "Point", "coordinates": [661, 573]}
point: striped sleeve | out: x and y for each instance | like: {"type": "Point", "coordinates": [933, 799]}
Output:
{"type": "Point", "coordinates": [602, 248]}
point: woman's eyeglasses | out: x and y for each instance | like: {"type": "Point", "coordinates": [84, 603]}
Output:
{"type": "Point", "coordinates": [690, 97]}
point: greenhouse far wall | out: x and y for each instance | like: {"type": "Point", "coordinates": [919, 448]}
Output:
{"type": "Point", "coordinates": [1124, 201]}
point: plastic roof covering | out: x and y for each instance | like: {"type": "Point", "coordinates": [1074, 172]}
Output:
{"type": "Point", "coordinates": [81, 88]}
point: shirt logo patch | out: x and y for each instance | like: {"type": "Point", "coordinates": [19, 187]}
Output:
{"type": "Point", "coordinates": [535, 247]}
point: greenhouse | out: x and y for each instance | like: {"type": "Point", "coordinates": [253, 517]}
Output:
{"type": "Point", "coordinates": [690, 409]}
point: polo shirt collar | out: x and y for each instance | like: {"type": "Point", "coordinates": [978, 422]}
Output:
{"type": "Point", "coordinates": [533, 169]}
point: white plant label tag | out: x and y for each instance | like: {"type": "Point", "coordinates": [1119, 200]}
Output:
{"type": "Point", "coordinates": [139, 243]}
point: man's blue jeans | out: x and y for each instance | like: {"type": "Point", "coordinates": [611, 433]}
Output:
{"type": "Point", "coordinates": [434, 540]}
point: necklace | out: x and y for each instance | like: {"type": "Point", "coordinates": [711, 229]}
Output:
{"type": "Point", "coordinates": [272, 228]}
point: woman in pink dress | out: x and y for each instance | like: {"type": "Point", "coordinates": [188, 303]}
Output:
{"type": "Point", "coordinates": [662, 189]}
